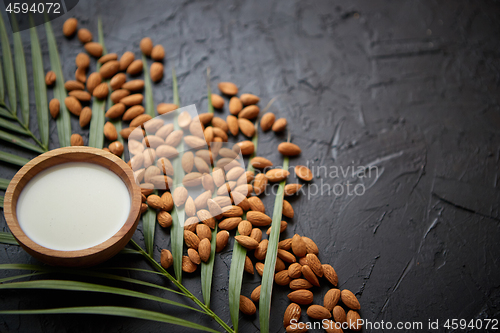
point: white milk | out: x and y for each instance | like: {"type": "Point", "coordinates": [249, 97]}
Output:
{"type": "Point", "coordinates": [73, 206]}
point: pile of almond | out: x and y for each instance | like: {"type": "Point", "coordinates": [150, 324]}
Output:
{"type": "Point", "coordinates": [216, 188]}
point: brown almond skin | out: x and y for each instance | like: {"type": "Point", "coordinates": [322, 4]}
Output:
{"type": "Point", "coordinates": [217, 101]}
{"type": "Point", "coordinates": [259, 162]}
{"type": "Point", "coordinates": [115, 111]}
{"type": "Point", "coordinates": [267, 121]}
{"type": "Point", "coordinates": [331, 298]}
{"type": "Point", "coordinates": [352, 320]}
{"type": "Point", "coordinates": [301, 296]}
{"type": "Point", "coordinates": [101, 91]}
{"type": "Point", "coordinates": [277, 175]}
{"type": "Point", "coordinates": [339, 314]}
{"type": "Point", "coordinates": [293, 311]}
{"type": "Point", "coordinates": [158, 53]}
{"type": "Point", "coordinates": [187, 265]}
{"type": "Point", "coordinates": [76, 140]}
{"type": "Point", "coordinates": [107, 57]}
{"type": "Point", "coordinates": [248, 265]}
{"type": "Point", "coordinates": [146, 46]}
{"type": "Point", "coordinates": [81, 95]}
{"type": "Point", "coordinates": [288, 210]}
{"type": "Point", "coordinates": [164, 219]}
{"type": "Point", "coordinates": [70, 26]}
{"type": "Point", "coordinates": [318, 312]}
{"type": "Point", "coordinates": [228, 88]}
{"type": "Point", "coordinates": [73, 85]}
{"type": "Point", "coordinates": [286, 256]}
{"type": "Point", "coordinates": [117, 81]}
{"type": "Point", "coordinates": [85, 117]}
{"type": "Point", "coordinates": [246, 127]}
{"type": "Point", "coordinates": [54, 107]}
{"type": "Point", "coordinates": [255, 296]}
{"type": "Point", "coordinates": [349, 299]}
{"type": "Point", "coordinates": [204, 249]}
{"type": "Point", "coordinates": [279, 125]}
{"type": "Point", "coordinates": [285, 244]}
{"type": "Point", "coordinates": [314, 263]}
{"type": "Point", "coordinates": [249, 112]}
{"type": "Point", "coordinates": [330, 274]}
{"type": "Point", "coordinates": [289, 149]}
{"type": "Point", "coordinates": [166, 259]}
{"type": "Point", "coordinates": [232, 123]}
{"type": "Point", "coordinates": [50, 78]}
{"type": "Point", "coordinates": [247, 242]}
{"type": "Point", "coordinates": [247, 147]}
{"type": "Point", "coordinates": [249, 99]}
{"type": "Point", "coordinates": [247, 306]}
{"type": "Point", "coordinates": [194, 256]}
{"type": "Point", "coordinates": [135, 68]}
{"type": "Point", "coordinates": [132, 100]}
{"type": "Point", "coordinates": [221, 240]}
{"type": "Point", "coordinates": [84, 35]}
{"type": "Point", "coordinates": [309, 275]}
{"type": "Point", "coordinates": [156, 71]}
{"type": "Point", "coordinates": [295, 270]}
{"type": "Point", "coordinates": [117, 95]}
{"type": "Point", "coordinates": [303, 173]}
{"type": "Point", "coordinates": [110, 131]}
{"type": "Point", "coordinates": [82, 60]}
{"type": "Point", "coordinates": [94, 49]}
{"type": "Point", "coordinates": [73, 105]}
{"type": "Point", "coordinates": [125, 60]}
{"type": "Point", "coordinates": [93, 81]}
{"type": "Point", "coordinates": [298, 246]}
{"type": "Point", "coordinates": [163, 108]}
{"type": "Point", "coordinates": [133, 85]}
{"type": "Point", "coordinates": [300, 284]}
{"type": "Point", "coordinates": [235, 106]}
{"type": "Point", "coordinates": [281, 278]}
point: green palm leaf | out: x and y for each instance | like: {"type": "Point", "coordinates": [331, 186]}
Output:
{"type": "Point", "coordinates": [20, 142]}
{"type": "Point", "coordinates": [7, 238]}
{"type": "Point", "coordinates": [17, 277]}
{"type": "Point", "coordinates": [270, 263]}
{"type": "Point", "coordinates": [12, 127]}
{"type": "Point", "coordinates": [4, 183]}
{"type": "Point", "coordinates": [1, 201]}
{"type": "Point", "coordinates": [96, 131]}
{"type": "Point", "coordinates": [6, 113]}
{"type": "Point", "coordinates": [177, 229]}
{"type": "Point", "coordinates": [10, 80]}
{"type": "Point", "coordinates": [116, 311]}
{"type": "Point", "coordinates": [21, 75]}
{"type": "Point", "coordinates": [63, 120]}
{"type": "Point", "coordinates": [42, 108]}
{"type": "Point", "coordinates": [13, 159]}
{"type": "Point", "coordinates": [2, 86]}
{"type": "Point", "coordinates": [92, 287]}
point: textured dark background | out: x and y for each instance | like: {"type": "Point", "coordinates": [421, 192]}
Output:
{"type": "Point", "coordinates": [409, 86]}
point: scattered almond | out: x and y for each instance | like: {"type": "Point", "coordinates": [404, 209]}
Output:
{"type": "Point", "coordinates": [94, 49]}
{"type": "Point", "coordinates": [228, 88]}
{"type": "Point", "coordinates": [76, 140]}
{"type": "Point", "coordinates": [301, 296]}
{"type": "Point", "coordinates": [349, 299]}
{"type": "Point", "coordinates": [279, 125]}
{"type": "Point", "coordinates": [85, 117]}
{"type": "Point", "coordinates": [146, 46]}
{"type": "Point", "coordinates": [318, 312]}
{"type": "Point", "coordinates": [126, 59]}
{"type": "Point", "coordinates": [101, 91]}
{"type": "Point", "coordinates": [247, 306]}
{"type": "Point", "coordinates": [73, 105]}
{"type": "Point", "coordinates": [289, 149]}
{"type": "Point", "coordinates": [267, 121]}
{"type": "Point", "coordinates": [135, 68]}
{"type": "Point", "coordinates": [54, 107]}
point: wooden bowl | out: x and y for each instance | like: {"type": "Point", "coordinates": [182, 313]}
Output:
{"type": "Point", "coordinates": [80, 258]}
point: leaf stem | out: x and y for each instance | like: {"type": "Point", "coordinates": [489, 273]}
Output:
{"type": "Point", "coordinates": [28, 131]}
{"type": "Point", "coordinates": [182, 288]}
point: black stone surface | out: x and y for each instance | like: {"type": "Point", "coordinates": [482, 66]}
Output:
{"type": "Point", "coordinates": [411, 87]}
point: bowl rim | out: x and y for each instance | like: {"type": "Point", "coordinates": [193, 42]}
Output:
{"type": "Point", "coordinates": [39, 164]}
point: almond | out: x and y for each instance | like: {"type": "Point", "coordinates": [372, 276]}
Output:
{"type": "Point", "coordinates": [165, 167]}
{"type": "Point", "coordinates": [135, 68]}
{"type": "Point", "coordinates": [81, 95]}
{"type": "Point", "coordinates": [73, 85]}
{"type": "Point", "coordinates": [110, 131]}
{"type": "Point", "coordinates": [245, 228]}
{"type": "Point", "coordinates": [217, 101]}
{"type": "Point", "coordinates": [285, 244]}
{"type": "Point", "coordinates": [101, 91]}
{"type": "Point", "coordinates": [203, 231]}
{"type": "Point", "coordinates": [277, 175]}
{"type": "Point", "coordinates": [318, 312]}
{"type": "Point", "coordinates": [50, 78]}
{"type": "Point", "coordinates": [191, 223]}
{"type": "Point", "coordinates": [261, 251]}
{"type": "Point", "coordinates": [301, 296]}
{"type": "Point", "coordinates": [144, 208]}
{"type": "Point", "coordinates": [187, 265]}
{"type": "Point", "coordinates": [309, 275]}
{"type": "Point", "coordinates": [259, 267]}
{"type": "Point", "coordinates": [154, 201]}
{"type": "Point", "coordinates": [331, 298]}
{"type": "Point", "coordinates": [228, 88]}
{"type": "Point", "coordinates": [261, 162]}
{"type": "Point", "coordinates": [194, 142]}
{"type": "Point", "coordinates": [282, 278]}
{"type": "Point", "coordinates": [311, 247]}
{"type": "Point", "coordinates": [81, 75]}
{"type": "Point", "coordinates": [288, 210]}
{"type": "Point", "coordinates": [156, 71]}
{"type": "Point", "coordinates": [76, 140]}
{"type": "Point", "coordinates": [220, 123]}
{"type": "Point", "coordinates": [164, 219]}
{"type": "Point", "coordinates": [204, 248]}
{"type": "Point", "coordinates": [54, 107]}
{"type": "Point", "coordinates": [230, 223]}
{"type": "Point", "coordinates": [349, 299]}
{"type": "Point", "coordinates": [247, 242]}
{"type": "Point", "coordinates": [194, 256]}
{"type": "Point", "coordinates": [117, 81]}
{"type": "Point", "coordinates": [146, 46]}
{"type": "Point", "coordinates": [267, 121]}
{"type": "Point", "coordinates": [134, 85]}
{"type": "Point", "coordinates": [249, 112]}
{"type": "Point", "coordinates": [69, 27]}
{"type": "Point", "coordinates": [279, 125]}
{"type": "Point", "coordinates": [295, 270]}
{"type": "Point", "coordinates": [163, 108]}
{"type": "Point", "coordinates": [249, 99]}
{"type": "Point", "coordinates": [107, 57]}
{"type": "Point", "coordinates": [140, 120]}
{"type": "Point", "coordinates": [174, 138]}
{"type": "Point", "coordinates": [166, 259]}
{"type": "Point", "coordinates": [286, 256]}
{"type": "Point", "coordinates": [235, 105]}
{"type": "Point", "coordinates": [84, 35]}
{"type": "Point", "coordinates": [132, 100]}
{"type": "Point", "coordinates": [192, 179]}
{"type": "Point", "coordinates": [93, 81]}
{"type": "Point", "coordinates": [158, 53]}
{"type": "Point", "coordinates": [246, 127]}
{"type": "Point", "coordinates": [248, 265]}
{"type": "Point", "coordinates": [153, 171]}
{"type": "Point", "coordinates": [85, 117]}
{"type": "Point", "coordinates": [256, 204]}
{"type": "Point", "coordinates": [247, 306]}
{"type": "Point", "coordinates": [260, 183]}
{"type": "Point", "coordinates": [255, 296]}
{"type": "Point", "coordinates": [330, 273]}
{"type": "Point", "coordinates": [232, 211]}
{"type": "Point", "coordinates": [201, 200]}
{"type": "Point", "coordinates": [152, 141]}
{"type": "Point", "coordinates": [303, 173]}
{"type": "Point", "coordinates": [283, 226]}
{"type": "Point", "coordinates": [126, 59]}
{"type": "Point", "coordinates": [94, 49]}
{"type": "Point", "coordinates": [247, 147]}
{"type": "Point", "coordinates": [73, 105]}
{"type": "Point", "coordinates": [180, 195]}
{"type": "Point", "coordinates": [164, 131]}
{"type": "Point", "coordinates": [153, 125]}
{"type": "Point", "coordinates": [353, 320]}
{"type": "Point", "coordinates": [133, 112]}
{"type": "Point", "coordinates": [289, 149]}
{"type": "Point", "coordinates": [232, 123]}
{"type": "Point", "coordinates": [221, 240]}
{"type": "Point", "coordinates": [258, 219]}
{"type": "Point", "coordinates": [299, 283]}
{"type": "Point", "coordinates": [196, 128]}
{"type": "Point", "coordinates": [314, 263]}
{"type": "Point", "coordinates": [191, 239]}
{"type": "Point", "coordinates": [187, 162]}
{"type": "Point", "coordinates": [190, 207]}
{"type": "Point", "coordinates": [298, 246]}
{"type": "Point", "coordinates": [205, 217]}
{"type": "Point", "coordinates": [82, 60]}
{"type": "Point", "coordinates": [166, 151]}
{"type": "Point", "coordinates": [214, 209]}
{"type": "Point", "coordinates": [292, 312]}
{"type": "Point", "coordinates": [116, 111]}
{"type": "Point", "coordinates": [339, 314]}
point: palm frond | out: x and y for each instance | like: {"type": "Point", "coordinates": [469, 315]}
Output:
{"type": "Point", "coordinates": [21, 74]}
{"type": "Point", "coordinates": [13, 159]}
